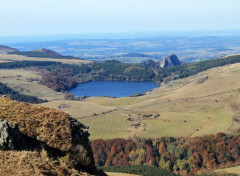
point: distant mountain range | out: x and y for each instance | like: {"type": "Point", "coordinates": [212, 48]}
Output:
{"type": "Point", "coordinates": [169, 61]}
{"type": "Point", "coordinates": [43, 52]}
{"type": "Point", "coordinates": [6, 49]}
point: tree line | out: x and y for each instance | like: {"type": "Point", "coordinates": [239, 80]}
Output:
{"type": "Point", "coordinates": [62, 77]}
{"type": "Point", "coordinates": [14, 95]}
{"type": "Point", "coordinates": [43, 55]}
{"type": "Point", "coordinates": [185, 156]}
{"type": "Point", "coordinates": [115, 70]}
{"type": "Point", "coordinates": [22, 64]}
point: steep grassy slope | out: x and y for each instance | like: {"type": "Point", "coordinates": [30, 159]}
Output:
{"type": "Point", "coordinates": [59, 144]}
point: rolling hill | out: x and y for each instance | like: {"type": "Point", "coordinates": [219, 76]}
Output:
{"type": "Point", "coordinates": [6, 49]}
{"type": "Point", "coordinates": [43, 53]}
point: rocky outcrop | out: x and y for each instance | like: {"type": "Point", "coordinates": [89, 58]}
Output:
{"type": "Point", "coordinates": [10, 136]}
{"type": "Point", "coordinates": [169, 61]}
{"type": "Point", "coordinates": [64, 140]}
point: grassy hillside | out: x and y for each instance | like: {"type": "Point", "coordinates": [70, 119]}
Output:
{"type": "Point", "coordinates": [6, 49]}
{"type": "Point", "coordinates": [50, 142]}
{"type": "Point", "coordinates": [43, 53]}
{"type": "Point", "coordinates": [26, 82]}
{"type": "Point", "coordinates": [206, 103]}
{"type": "Point", "coordinates": [231, 170]}
{"type": "Point", "coordinates": [186, 107]}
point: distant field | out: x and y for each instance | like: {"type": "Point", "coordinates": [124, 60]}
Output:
{"type": "Point", "coordinates": [119, 174]}
{"type": "Point", "coordinates": [79, 109]}
{"type": "Point", "coordinates": [132, 59]}
{"type": "Point", "coordinates": [26, 82]}
{"type": "Point", "coordinates": [10, 58]}
{"type": "Point", "coordinates": [183, 107]}
{"type": "Point", "coordinates": [231, 170]}
{"type": "Point", "coordinates": [106, 126]}
{"type": "Point", "coordinates": [203, 47]}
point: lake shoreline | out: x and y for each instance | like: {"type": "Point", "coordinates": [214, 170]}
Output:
{"type": "Point", "coordinates": [112, 88]}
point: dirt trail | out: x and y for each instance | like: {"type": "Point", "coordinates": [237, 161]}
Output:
{"type": "Point", "coordinates": [95, 114]}
{"type": "Point", "coordinates": [235, 119]}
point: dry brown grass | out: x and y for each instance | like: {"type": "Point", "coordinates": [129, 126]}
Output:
{"type": "Point", "coordinates": [46, 124]}
{"type": "Point", "coordinates": [119, 174]}
{"type": "Point", "coordinates": [33, 163]}
{"type": "Point", "coordinates": [231, 170]}
{"type": "Point", "coordinates": [58, 144]}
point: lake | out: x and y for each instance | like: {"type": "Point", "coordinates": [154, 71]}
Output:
{"type": "Point", "coordinates": [112, 88]}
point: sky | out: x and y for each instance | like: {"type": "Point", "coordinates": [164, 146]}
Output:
{"type": "Point", "coordinates": [47, 17]}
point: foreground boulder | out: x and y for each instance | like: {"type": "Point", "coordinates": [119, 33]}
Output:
{"type": "Point", "coordinates": [10, 136]}
{"type": "Point", "coordinates": [42, 141]}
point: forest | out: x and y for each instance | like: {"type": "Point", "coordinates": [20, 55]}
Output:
{"type": "Point", "coordinates": [185, 70]}
{"type": "Point", "coordinates": [62, 77]}
{"type": "Point", "coordinates": [182, 155]}
{"type": "Point", "coordinates": [43, 55]}
{"type": "Point", "coordinates": [22, 64]}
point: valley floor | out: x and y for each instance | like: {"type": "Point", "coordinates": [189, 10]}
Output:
{"type": "Point", "coordinates": [207, 103]}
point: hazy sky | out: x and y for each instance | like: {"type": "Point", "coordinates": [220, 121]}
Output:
{"type": "Point", "coordinates": [28, 17]}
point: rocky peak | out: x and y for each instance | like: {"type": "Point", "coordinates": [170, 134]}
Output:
{"type": "Point", "coordinates": [169, 61]}
{"type": "Point", "coordinates": [9, 135]}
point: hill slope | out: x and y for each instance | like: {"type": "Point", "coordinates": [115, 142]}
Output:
{"type": "Point", "coordinates": [43, 53]}
{"type": "Point", "coordinates": [6, 49]}
{"type": "Point", "coordinates": [46, 51]}
{"type": "Point", "coordinates": [60, 144]}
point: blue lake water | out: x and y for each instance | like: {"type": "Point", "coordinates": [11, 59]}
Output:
{"type": "Point", "coordinates": [112, 88]}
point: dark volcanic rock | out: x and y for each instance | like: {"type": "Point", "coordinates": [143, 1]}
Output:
{"type": "Point", "coordinates": [10, 136]}
{"type": "Point", "coordinates": [169, 61]}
